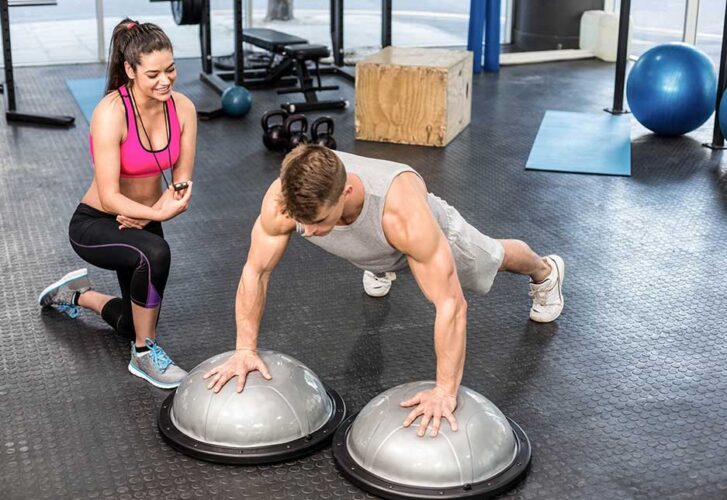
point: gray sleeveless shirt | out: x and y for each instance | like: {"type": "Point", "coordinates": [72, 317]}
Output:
{"type": "Point", "coordinates": [363, 242]}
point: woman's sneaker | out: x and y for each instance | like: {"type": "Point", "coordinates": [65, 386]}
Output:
{"type": "Point", "coordinates": [377, 284]}
{"type": "Point", "coordinates": [155, 366]}
{"type": "Point", "coordinates": [61, 295]}
{"type": "Point", "coordinates": [548, 294]}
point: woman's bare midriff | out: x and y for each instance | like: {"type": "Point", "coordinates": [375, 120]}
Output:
{"type": "Point", "coordinates": [144, 190]}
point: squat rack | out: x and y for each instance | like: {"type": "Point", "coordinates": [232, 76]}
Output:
{"type": "Point", "coordinates": [8, 87]}
{"type": "Point", "coordinates": [238, 77]}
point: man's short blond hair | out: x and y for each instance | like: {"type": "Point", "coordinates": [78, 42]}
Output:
{"type": "Point", "coordinates": [311, 176]}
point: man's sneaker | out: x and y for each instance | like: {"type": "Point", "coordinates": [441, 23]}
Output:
{"type": "Point", "coordinates": [60, 294]}
{"type": "Point", "coordinates": [155, 366]}
{"type": "Point", "coordinates": [548, 294]}
{"type": "Point", "coordinates": [378, 284]}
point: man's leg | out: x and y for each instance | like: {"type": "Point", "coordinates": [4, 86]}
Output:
{"type": "Point", "coordinates": [520, 259]}
{"type": "Point", "coordinates": [546, 278]}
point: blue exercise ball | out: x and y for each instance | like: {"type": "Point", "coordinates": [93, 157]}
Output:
{"type": "Point", "coordinates": [672, 89]}
{"type": "Point", "coordinates": [236, 101]}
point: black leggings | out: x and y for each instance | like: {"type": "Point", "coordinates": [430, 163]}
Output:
{"type": "Point", "coordinates": [140, 257]}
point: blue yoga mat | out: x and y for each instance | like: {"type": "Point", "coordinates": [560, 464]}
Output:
{"type": "Point", "coordinates": [87, 92]}
{"type": "Point", "coordinates": [582, 143]}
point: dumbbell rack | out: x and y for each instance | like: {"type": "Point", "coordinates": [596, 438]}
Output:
{"type": "Point", "coordinates": [8, 88]}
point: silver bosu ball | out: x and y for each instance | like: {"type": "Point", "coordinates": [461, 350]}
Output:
{"type": "Point", "coordinates": [269, 421]}
{"type": "Point", "coordinates": [487, 455]}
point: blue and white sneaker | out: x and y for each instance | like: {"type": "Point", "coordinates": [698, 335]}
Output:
{"type": "Point", "coordinates": [60, 294]}
{"type": "Point", "coordinates": [155, 366]}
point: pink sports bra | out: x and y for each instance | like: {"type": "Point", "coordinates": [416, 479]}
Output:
{"type": "Point", "coordinates": [136, 160]}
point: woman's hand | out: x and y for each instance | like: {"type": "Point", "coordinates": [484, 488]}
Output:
{"type": "Point", "coordinates": [129, 223]}
{"type": "Point", "coordinates": [173, 203]}
{"type": "Point", "coordinates": [179, 194]}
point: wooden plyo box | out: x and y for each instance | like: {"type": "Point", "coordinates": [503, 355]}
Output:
{"type": "Point", "coordinates": [413, 95]}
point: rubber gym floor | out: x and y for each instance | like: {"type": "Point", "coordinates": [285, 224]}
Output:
{"type": "Point", "coordinates": [624, 396]}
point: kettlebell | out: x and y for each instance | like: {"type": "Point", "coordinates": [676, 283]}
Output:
{"type": "Point", "coordinates": [296, 127]}
{"type": "Point", "coordinates": [275, 136]}
{"type": "Point", "coordinates": [324, 137]}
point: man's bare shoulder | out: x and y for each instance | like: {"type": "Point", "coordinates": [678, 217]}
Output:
{"type": "Point", "coordinates": [405, 209]}
{"type": "Point", "coordinates": [272, 218]}
{"type": "Point", "coordinates": [406, 196]}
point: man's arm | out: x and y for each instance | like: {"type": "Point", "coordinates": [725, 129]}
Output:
{"type": "Point", "coordinates": [269, 239]}
{"type": "Point", "coordinates": [411, 228]}
{"type": "Point", "coordinates": [266, 250]}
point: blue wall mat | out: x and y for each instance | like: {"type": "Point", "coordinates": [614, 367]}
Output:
{"type": "Point", "coordinates": [582, 143]}
{"type": "Point", "coordinates": [87, 92]}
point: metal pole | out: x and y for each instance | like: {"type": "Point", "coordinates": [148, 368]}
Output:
{"type": "Point", "coordinates": [337, 31]}
{"type": "Point", "coordinates": [100, 32]}
{"type": "Point", "coordinates": [205, 38]}
{"type": "Point", "coordinates": [691, 17]}
{"type": "Point", "coordinates": [335, 41]}
{"type": "Point", "coordinates": [717, 137]}
{"type": "Point", "coordinates": [508, 22]}
{"type": "Point", "coordinates": [621, 59]}
{"type": "Point", "coordinates": [239, 51]}
{"type": "Point", "coordinates": [9, 86]}
{"type": "Point", "coordinates": [247, 18]}
{"type": "Point", "coordinates": [385, 23]}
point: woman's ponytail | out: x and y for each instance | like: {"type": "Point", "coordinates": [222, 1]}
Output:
{"type": "Point", "coordinates": [130, 40]}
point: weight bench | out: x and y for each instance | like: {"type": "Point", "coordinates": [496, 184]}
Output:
{"type": "Point", "coordinates": [291, 54]}
{"type": "Point", "coordinates": [259, 70]}
{"type": "Point", "coordinates": [299, 55]}
{"type": "Point", "coordinates": [278, 66]}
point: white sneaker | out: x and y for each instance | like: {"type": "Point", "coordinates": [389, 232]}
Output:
{"type": "Point", "coordinates": [548, 294]}
{"type": "Point", "coordinates": [379, 284]}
